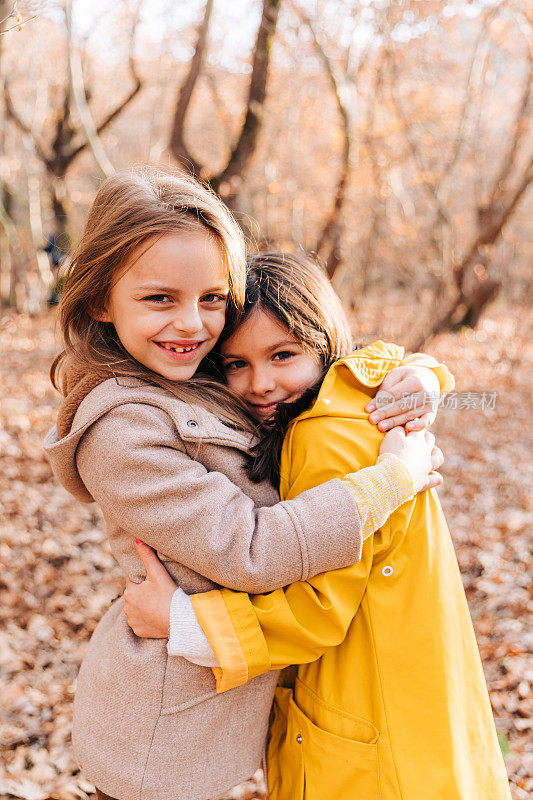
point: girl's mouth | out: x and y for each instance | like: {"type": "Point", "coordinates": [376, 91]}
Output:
{"type": "Point", "coordinates": [265, 410]}
{"type": "Point", "coordinates": [185, 352]}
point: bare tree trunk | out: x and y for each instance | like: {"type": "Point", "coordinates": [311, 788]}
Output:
{"type": "Point", "coordinates": [246, 143]}
{"type": "Point", "coordinates": [377, 201]}
{"type": "Point", "coordinates": [59, 203]}
{"type": "Point", "coordinates": [10, 245]}
{"type": "Point", "coordinates": [228, 180]}
{"type": "Point", "coordinates": [10, 250]}
{"type": "Point", "coordinates": [176, 142]}
{"type": "Point", "coordinates": [58, 155]}
{"type": "Point", "coordinates": [77, 88]}
{"type": "Point", "coordinates": [36, 224]}
{"type": "Point", "coordinates": [330, 239]}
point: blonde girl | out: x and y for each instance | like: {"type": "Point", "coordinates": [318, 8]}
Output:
{"type": "Point", "coordinates": [390, 701]}
{"type": "Point", "coordinates": [148, 432]}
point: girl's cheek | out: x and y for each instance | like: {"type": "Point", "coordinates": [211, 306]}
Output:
{"type": "Point", "coordinates": [236, 383]}
{"type": "Point", "coordinates": [232, 382]}
{"type": "Point", "coordinates": [311, 375]}
{"type": "Point", "coordinates": [221, 323]}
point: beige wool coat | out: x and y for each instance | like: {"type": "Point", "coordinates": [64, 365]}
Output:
{"type": "Point", "coordinates": [148, 726]}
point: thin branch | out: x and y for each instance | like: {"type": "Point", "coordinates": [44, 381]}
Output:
{"type": "Point", "coordinates": [77, 86]}
{"type": "Point", "coordinates": [8, 16]}
{"type": "Point", "coordinates": [487, 236]}
{"type": "Point", "coordinates": [329, 230]}
{"type": "Point", "coordinates": [443, 223]}
{"type": "Point", "coordinates": [253, 120]}
{"type": "Point", "coordinates": [332, 229]}
{"type": "Point", "coordinates": [520, 127]}
{"type": "Point", "coordinates": [125, 102]}
{"type": "Point", "coordinates": [496, 217]}
{"type": "Point", "coordinates": [474, 73]}
{"type": "Point", "coordinates": [14, 14]}
{"type": "Point", "coordinates": [377, 203]}
{"type": "Point", "coordinates": [18, 26]}
{"type": "Point", "coordinates": [222, 111]}
{"type": "Point", "coordinates": [177, 143]}
{"type": "Point", "coordinates": [442, 211]}
{"type": "Point", "coordinates": [13, 114]}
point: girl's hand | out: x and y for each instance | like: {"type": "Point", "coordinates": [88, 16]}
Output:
{"type": "Point", "coordinates": [419, 455]}
{"type": "Point", "coordinates": [407, 395]}
{"type": "Point", "coordinates": [147, 604]}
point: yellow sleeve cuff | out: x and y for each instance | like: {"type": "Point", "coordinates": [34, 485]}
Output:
{"type": "Point", "coordinates": [213, 616]}
{"type": "Point", "coordinates": [252, 642]}
{"type": "Point", "coordinates": [445, 377]}
{"type": "Point", "coordinates": [380, 490]}
{"type": "Point", "coordinates": [229, 621]}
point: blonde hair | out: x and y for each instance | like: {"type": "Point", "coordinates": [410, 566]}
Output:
{"type": "Point", "coordinates": [130, 208]}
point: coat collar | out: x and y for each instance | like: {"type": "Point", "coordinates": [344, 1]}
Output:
{"type": "Point", "coordinates": [193, 422]}
{"type": "Point", "coordinates": [195, 426]}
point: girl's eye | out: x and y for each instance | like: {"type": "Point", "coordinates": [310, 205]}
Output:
{"type": "Point", "coordinates": [214, 298]}
{"type": "Point", "coordinates": [231, 366]}
{"type": "Point", "coordinates": [283, 355]}
{"type": "Point", "coordinates": [158, 298]}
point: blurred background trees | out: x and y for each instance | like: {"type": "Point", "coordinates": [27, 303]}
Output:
{"type": "Point", "coordinates": [394, 139]}
{"type": "Point", "coordinates": [391, 137]}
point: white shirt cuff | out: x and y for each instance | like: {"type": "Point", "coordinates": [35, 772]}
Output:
{"type": "Point", "coordinates": [186, 638]}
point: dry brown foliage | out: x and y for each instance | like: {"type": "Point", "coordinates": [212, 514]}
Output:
{"type": "Point", "coordinates": [58, 576]}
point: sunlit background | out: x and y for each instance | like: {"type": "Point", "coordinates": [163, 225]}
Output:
{"type": "Point", "coordinates": [391, 138]}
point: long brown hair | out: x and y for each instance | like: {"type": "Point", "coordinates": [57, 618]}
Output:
{"type": "Point", "coordinates": [130, 208]}
{"type": "Point", "coordinates": [296, 292]}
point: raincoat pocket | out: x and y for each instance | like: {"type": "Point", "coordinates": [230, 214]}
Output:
{"type": "Point", "coordinates": [308, 762]}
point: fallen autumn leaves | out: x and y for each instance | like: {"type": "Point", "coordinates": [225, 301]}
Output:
{"type": "Point", "coordinates": [58, 577]}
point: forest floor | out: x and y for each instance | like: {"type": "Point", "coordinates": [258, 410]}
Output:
{"type": "Point", "coordinates": [58, 577]}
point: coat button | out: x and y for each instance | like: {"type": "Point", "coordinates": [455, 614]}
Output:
{"type": "Point", "coordinates": [387, 571]}
{"type": "Point", "coordinates": [192, 423]}
{"type": "Point", "coordinates": [299, 738]}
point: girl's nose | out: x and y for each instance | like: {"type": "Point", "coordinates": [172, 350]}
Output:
{"type": "Point", "coordinates": [261, 382]}
{"type": "Point", "coordinates": [188, 321]}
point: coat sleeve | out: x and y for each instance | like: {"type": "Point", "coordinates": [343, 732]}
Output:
{"type": "Point", "coordinates": [295, 625]}
{"type": "Point", "coordinates": [156, 492]}
{"type": "Point", "coordinates": [252, 634]}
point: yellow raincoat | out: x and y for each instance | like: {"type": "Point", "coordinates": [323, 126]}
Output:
{"type": "Point", "coordinates": [389, 701]}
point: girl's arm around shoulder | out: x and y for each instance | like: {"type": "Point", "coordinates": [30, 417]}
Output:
{"type": "Point", "coordinates": [137, 470]}
{"type": "Point", "coordinates": [439, 368]}
{"type": "Point", "coordinates": [410, 393]}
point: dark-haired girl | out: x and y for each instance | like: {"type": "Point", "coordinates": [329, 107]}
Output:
{"type": "Point", "coordinates": [389, 701]}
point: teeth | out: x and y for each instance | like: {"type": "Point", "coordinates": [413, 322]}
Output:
{"type": "Point", "coordinates": [178, 349]}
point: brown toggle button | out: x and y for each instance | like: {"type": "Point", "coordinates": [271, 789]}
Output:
{"type": "Point", "coordinates": [299, 738]}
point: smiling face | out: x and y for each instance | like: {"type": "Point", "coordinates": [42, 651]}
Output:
{"type": "Point", "coordinates": [168, 306]}
{"type": "Point", "coordinates": [266, 365]}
